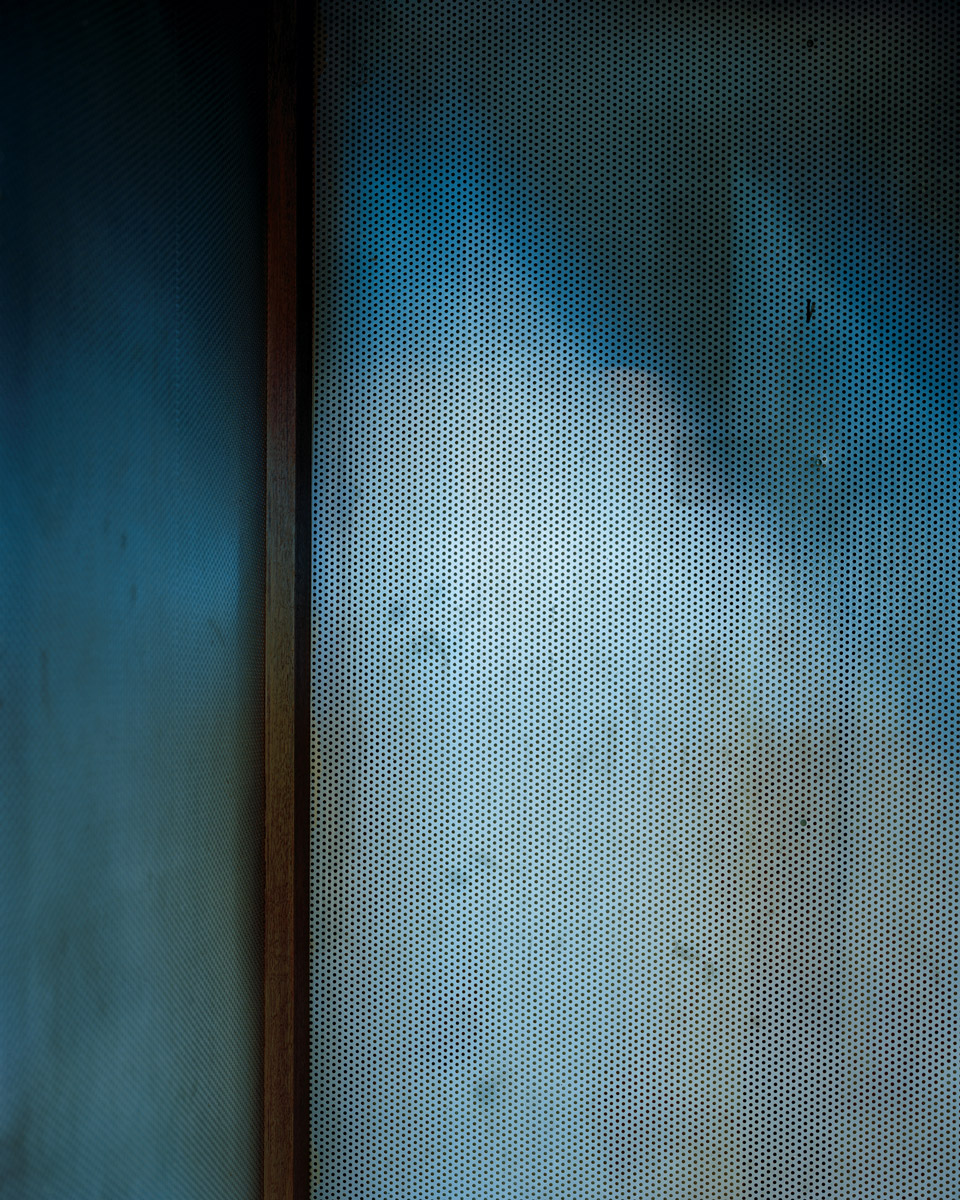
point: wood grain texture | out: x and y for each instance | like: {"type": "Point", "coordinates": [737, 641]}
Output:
{"type": "Point", "coordinates": [290, 103]}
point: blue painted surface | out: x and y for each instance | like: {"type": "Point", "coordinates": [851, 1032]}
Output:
{"type": "Point", "coordinates": [131, 491]}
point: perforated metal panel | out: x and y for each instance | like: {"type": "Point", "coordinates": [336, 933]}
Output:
{"type": "Point", "coordinates": [131, 601]}
{"type": "Point", "coordinates": [635, 792]}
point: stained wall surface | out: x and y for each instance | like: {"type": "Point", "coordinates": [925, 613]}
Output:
{"type": "Point", "coordinates": [131, 568]}
{"type": "Point", "coordinates": [635, 604]}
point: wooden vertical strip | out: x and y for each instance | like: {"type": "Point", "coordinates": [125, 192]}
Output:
{"type": "Point", "coordinates": [306, 68]}
{"type": "Point", "coordinates": [279, 1151]}
{"type": "Point", "coordinates": [290, 104]}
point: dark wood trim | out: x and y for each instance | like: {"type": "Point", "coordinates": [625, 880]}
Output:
{"type": "Point", "coordinates": [291, 110]}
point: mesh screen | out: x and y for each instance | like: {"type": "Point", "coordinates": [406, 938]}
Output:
{"type": "Point", "coordinates": [131, 602]}
{"type": "Point", "coordinates": [635, 824]}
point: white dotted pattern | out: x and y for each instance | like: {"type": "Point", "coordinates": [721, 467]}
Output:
{"type": "Point", "coordinates": [634, 778]}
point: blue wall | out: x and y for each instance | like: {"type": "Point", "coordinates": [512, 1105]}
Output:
{"type": "Point", "coordinates": [131, 491]}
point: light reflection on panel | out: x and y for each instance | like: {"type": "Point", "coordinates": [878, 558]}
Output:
{"type": "Point", "coordinates": [634, 788]}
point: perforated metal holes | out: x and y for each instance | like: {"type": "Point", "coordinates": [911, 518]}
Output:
{"type": "Point", "coordinates": [635, 825]}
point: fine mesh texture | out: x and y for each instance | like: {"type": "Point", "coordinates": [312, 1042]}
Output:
{"type": "Point", "coordinates": [131, 593]}
{"type": "Point", "coordinates": [635, 821]}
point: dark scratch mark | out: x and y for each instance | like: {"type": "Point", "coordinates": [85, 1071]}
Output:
{"type": "Point", "coordinates": [809, 310]}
